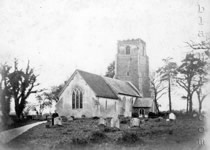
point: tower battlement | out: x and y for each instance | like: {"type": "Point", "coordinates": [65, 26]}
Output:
{"type": "Point", "coordinates": [131, 41]}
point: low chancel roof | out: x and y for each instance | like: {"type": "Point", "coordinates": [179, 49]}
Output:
{"type": "Point", "coordinates": [143, 102]}
{"type": "Point", "coordinates": [122, 87]}
{"type": "Point", "coordinates": [107, 87]}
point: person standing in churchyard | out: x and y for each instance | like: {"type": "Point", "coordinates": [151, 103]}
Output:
{"type": "Point", "coordinates": [54, 115]}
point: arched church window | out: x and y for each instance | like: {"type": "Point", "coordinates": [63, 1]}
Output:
{"type": "Point", "coordinates": [73, 100]}
{"type": "Point", "coordinates": [77, 99]}
{"type": "Point", "coordinates": [128, 50]}
{"type": "Point", "coordinates": [81, 100]}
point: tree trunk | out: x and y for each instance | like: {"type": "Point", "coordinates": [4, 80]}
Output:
{"type": "Point", "coordinates": [156, 105]}
{"type": "Point", "coordinates": [190, 104]}
{"type": "Point", "coordinates": [19, 107]}
{"type": "Point", "coordinates": [169, 95]}
{"type": "Point", "coordinates": [200, 100]}
{"type": "Point", "coordinates": [187, 109]}
{"type": "Point", "coordinates": [200, 107]}
{"type": "Point", "coordinates": [17, 111]}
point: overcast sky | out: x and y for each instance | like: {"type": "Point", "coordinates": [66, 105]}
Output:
{"type": "Point", "coordinates": [59, 36]}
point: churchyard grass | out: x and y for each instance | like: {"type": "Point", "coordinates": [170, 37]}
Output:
{"type": "Point", "coordinates": [153, 133]}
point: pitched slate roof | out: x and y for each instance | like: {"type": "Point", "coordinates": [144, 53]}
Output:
{"type": "Point", "coordinates": [143, 102]}
{"type": "Point", "coordinates": [98, 85]}
{"type": "Point", "coordinates": [121, 87]}
{"type": "Point", "coordinates": [106, 87]}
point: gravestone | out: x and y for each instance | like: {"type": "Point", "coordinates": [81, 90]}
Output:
{"type": "Point", "coordinates": [115, 122]}
{"type": "Point", "coordinates": [57, 121]}
{"type": "Point", "coordinates": [70, 118]}
{"type": "Point", "coordinates": [102, 121]}
{"type": "Point", "coordinates": [135, 122]}
{"type": "Point", "coordinates": [172, 116]}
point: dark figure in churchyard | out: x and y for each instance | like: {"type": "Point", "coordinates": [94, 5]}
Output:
{"type": "Point", "coordinates": [54, 115]}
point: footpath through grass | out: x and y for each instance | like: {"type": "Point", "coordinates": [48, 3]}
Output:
{"type": "Point", "coordinates": [18, 123]}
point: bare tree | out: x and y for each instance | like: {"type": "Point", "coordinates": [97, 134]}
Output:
{"type": "Point", "coordinates": [157, 88]}
{"type": "Point", "coordinates": [203, 45]}
{"type": "Point", "coordinates": [201, 97]}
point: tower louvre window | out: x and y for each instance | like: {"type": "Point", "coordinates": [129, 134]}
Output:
{"type": "Point", "coordinates": [128, 50]}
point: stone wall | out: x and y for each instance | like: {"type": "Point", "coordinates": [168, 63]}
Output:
{"type": "Point", "coordinates": [64, 106]}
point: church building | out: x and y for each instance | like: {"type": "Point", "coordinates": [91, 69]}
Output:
{"type": "Point", "coordinates": [88, 95]}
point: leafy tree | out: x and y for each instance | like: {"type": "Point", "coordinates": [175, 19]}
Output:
{"type": "Point", "coordinates": [157, 88]}
{"type": "Point", "coordinates": [5, 92]}
{"type": "Point", "coordinates": [43, 102]}
{"type": "Point", "coordinates": [168, 73]}
{"type": "Point", "coordinates": [29, 106]}
{"type": "Point", "coordinates": [46, 98]}
{"type": "Point", "coordinates": [110, 70]}
{"type": "Point", "coordinates": [22, 85]}
{"type": "Point", "coordinates": [53, 95]}
{"type": "Point", "coordinates": [202, 50]}
{"type": "Point", "coordinates": [190, 78]}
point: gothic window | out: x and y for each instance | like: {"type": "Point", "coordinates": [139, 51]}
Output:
{"type": "Point", "coordinates": [73, 100]}
{"type": "Point", "coordinates": [77, 99]}
{"type": "Point", "coordinates": [127, 73]}
{"type": "Point", "coordinates": [128, 50]}
{"type": "Point", "coordinates": [81, 100]}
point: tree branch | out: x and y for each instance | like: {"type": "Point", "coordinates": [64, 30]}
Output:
{"type": "Point", "coordinates": [182, 84]}
{"type": "Point", "coordinates": [161, 95]}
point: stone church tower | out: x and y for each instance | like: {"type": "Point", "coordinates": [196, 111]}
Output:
{"type": "Point", "coordinates": [132, 64]}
